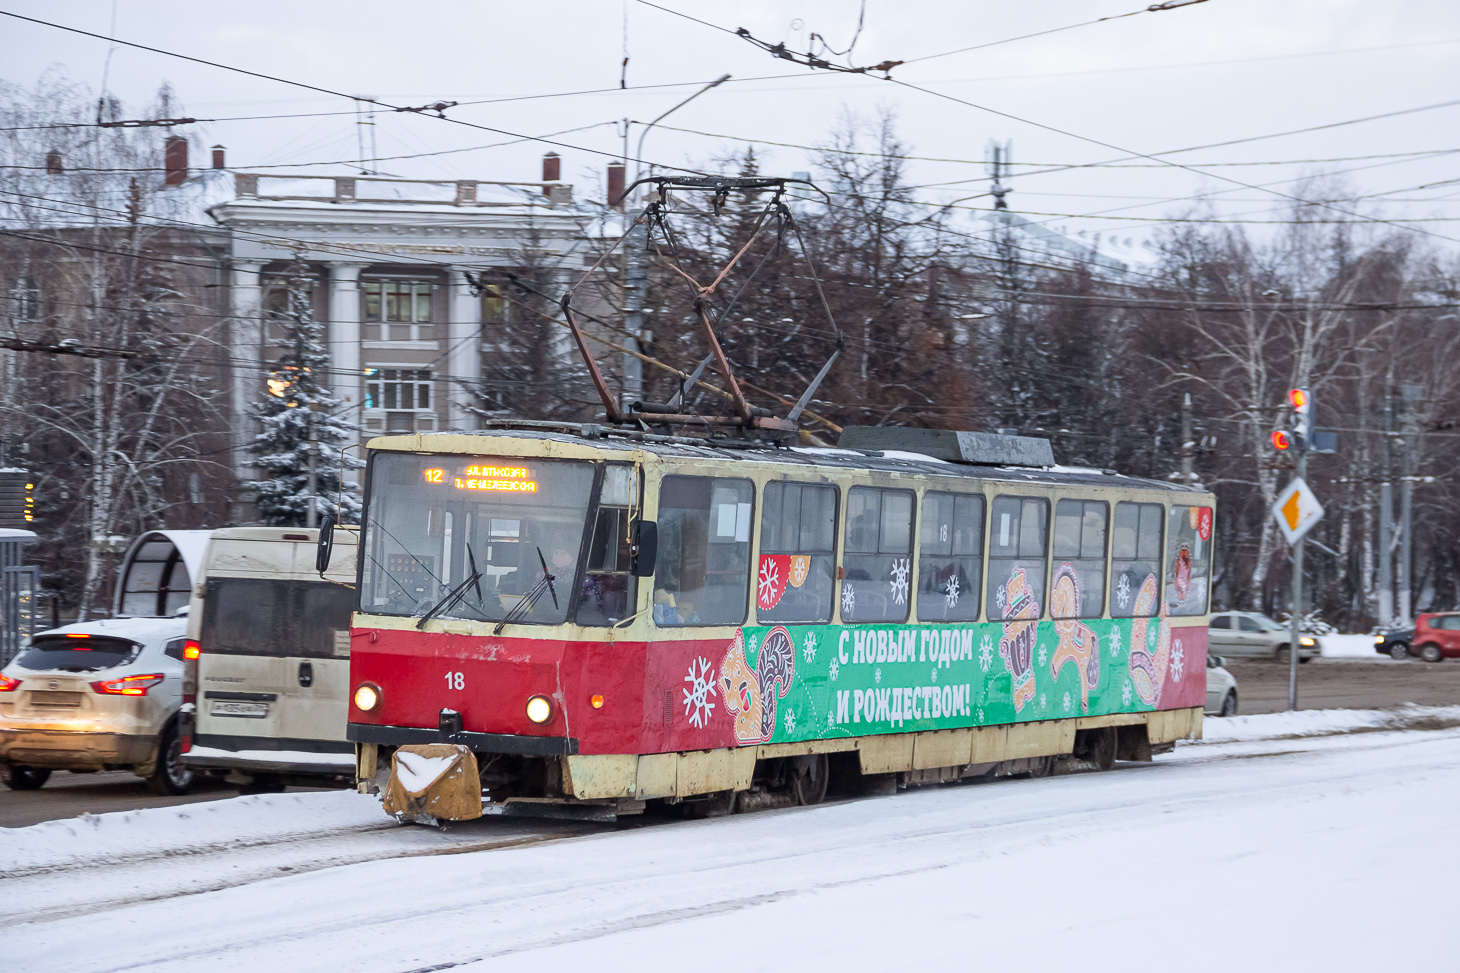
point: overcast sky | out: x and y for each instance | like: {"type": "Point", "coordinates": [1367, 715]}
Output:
{"type": "Point", "coordinates": [1150, 83]}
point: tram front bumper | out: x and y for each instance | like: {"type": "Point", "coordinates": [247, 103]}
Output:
{"type": "Point", "coordinates": [395, 736]}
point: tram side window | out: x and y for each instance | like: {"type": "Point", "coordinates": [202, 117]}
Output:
{"type": "Point", "coordinates": [703, 570]}
{"type": "Point", "coordinates": [1018, 530]}
{"type": "Point", "coordinates": [796, 579]}
{"type": "Point", "coordinates": [609, 592]}
{"type": "Point", "coordinates": [950, 558]}
{"type": "Point", "coordinates": [1079, 554]}
{"type": "Point", "coordinates": [1188, 560]}
{"type": "Point", "coordinates": [878, 558]}
{"type": "Point", "coordinates": [1136, 560]}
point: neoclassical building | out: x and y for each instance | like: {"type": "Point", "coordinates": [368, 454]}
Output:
{"type": "Point", "coordinates": [406, 273]}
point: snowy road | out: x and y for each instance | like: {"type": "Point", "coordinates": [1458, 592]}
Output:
{"type": "Point", "coordinates": [1255, 853]}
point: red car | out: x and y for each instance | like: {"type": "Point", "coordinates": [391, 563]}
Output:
{"type": "Point", "coordinates": [1436, 636]}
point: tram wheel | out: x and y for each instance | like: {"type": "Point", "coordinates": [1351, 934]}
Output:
{"type": "Point", "coordinates": [809, 777]}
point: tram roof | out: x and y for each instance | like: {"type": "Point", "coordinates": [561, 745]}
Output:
{"type": "Point", "coordinates": [835, 457]}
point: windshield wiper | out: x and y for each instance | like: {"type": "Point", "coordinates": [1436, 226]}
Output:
{"type": "Point", "coordinates": [449, 600]}
{"type": "Point", "coordinates": [525, 604]}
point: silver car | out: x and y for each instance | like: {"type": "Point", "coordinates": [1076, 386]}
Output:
{"type": "Point", "coordinates": [1221, 688]}
{"type": "Point", "coordinates": [100, 695]}
{"type": "Point", "coordinates": [1254, 635]}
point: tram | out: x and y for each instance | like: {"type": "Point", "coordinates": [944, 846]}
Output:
{"type": "Point", "coordinates": [604, 617]}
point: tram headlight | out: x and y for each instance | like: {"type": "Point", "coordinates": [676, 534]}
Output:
{"type": "Point", "coordinates": [539, 709]}
{"type": "Point", "coordinates": [367, 697]}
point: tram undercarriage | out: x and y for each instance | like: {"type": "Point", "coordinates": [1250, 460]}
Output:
{"type": "Point", "coordinates": [445, 781]}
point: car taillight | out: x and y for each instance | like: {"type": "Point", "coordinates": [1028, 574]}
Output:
{"type": "Point", "coordinates": [191, 650]}
{"type": "Point", "coordinates": [128, 685]}
{"type": "Point", "coordinates": [8, 685]}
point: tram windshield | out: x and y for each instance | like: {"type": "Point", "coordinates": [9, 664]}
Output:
{"type": "Point", "coordinates": [458, 536]}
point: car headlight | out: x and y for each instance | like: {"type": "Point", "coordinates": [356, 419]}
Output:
{"type": "Point", "coordinates": [367, 697]}
{"type": "Point", "coordinates": [1307, 642]}
{"type": "Point", "coordinates": [1378, 640]}
{"type": "Point", "coordinates": [539, 709]}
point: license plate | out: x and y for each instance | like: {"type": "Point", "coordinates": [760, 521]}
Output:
{"type": "Point", "coordinates": [230, 707]}
{"type": "Point", "coordinates": [45, 697]}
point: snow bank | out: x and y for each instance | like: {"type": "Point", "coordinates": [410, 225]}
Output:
{"type": "Point", "coordinates": [1350, 647]}
{"type": "Point", "coordinates": [186, 829]}
{"type": "Point", "coordinates": [1326, 722]}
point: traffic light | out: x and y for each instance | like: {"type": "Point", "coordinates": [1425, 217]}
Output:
{"type": "Point", "coordinates": [1302, 404]}
{"type": "Point", "coordinates": [17, 498]}
{"type": "Point", "coordinates": [1281, 440]}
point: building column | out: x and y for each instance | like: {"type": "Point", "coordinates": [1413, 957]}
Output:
{"type": "Point", "coordinates": [346, 379]}
{"type": "Point", "coordinates": [463, 352]}
{"type": "Point", "coordinates": [246, 349]}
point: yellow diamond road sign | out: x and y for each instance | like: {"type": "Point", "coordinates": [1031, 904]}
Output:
{"type": "Point", "coordinates": [1296, 510]}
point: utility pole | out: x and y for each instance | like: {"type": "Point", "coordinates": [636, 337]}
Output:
{"type": "Point", "coordinates": [636, 256]}
{"type": "Point", "coordinates": [1386, 518]}
{"type": "Point", "coordinates": [1188, 445]}
{"type": "Point", "coordinates": [1411, 393]}
{"type": "Point", "coordinates": [1295, 642]}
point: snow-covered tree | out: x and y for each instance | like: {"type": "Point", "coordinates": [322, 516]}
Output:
{"type": "Point", "coordinates": [300, 444]}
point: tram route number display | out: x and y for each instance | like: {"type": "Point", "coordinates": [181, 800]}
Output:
{"type": "Point", "coordinates": [779, 684]}
{"type": "Point", "coordinates": [497, 479]}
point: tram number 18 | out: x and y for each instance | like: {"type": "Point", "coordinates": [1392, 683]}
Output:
{"type": "Point", "coordinates": [455, 680]}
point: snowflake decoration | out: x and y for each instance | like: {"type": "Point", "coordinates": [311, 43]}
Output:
{"type": "Point", "coordinates": [790, 721]}
{"type": "Point", "coordinates": [808, 648]}
{"type": "Point", "coordinates": [1043, 701]}
{"type": "Point", "coordinates": [1125, 694]}
{"type": "Point", "coordinates": [999, 598]}
{"type": "Point", "coordinates": [752, 644]}
{"type": "Point", "coordinates": [1122, 591]}
{"type": "Point", "coordinates": [935, 674]}
{"type": "Point", "coordinates": [1066, 701]}
{"type": "Point", "coordinates": [950, 591]}
{"type": "Point", "coordinates": [900, 571]}
{"type": "Point", "coordinates": [1153, 637]}
{"type": "Point", "coordinates": [769, 575]}
{"type": "Point", "coordinates": [833, 669]}
{"type": "Point", "coordinates": [1043, 655]}
{"type": "Point", "coordinates": [877, 676]}
{"type": "Point", "coordinates": [1115, 639]}
{"type": "Point", "coordinates": [849, 600]}
{"type": "Point", "coordinates": [697, 703]}
{"type": "Point", "coordinates": [980, 714]}
{"type": "Point", "coordinates": [830, 718]}
{"type": "Point", "coordinates": [986, 652]}
{"type": "Point", "coordinates": [1178, 660]}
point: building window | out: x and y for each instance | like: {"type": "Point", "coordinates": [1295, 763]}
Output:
{"type": "Point", "coordinates": [25, 301]}
{"type": "Point", "coordinates": [399, 308]}
{"type": "Point", "coordinates": [398, 389]}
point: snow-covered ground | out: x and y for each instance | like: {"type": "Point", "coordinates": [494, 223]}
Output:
{"type": "Point", "coordinates": [1279, 842]}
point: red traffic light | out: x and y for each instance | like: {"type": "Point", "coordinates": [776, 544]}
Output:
{"type": "Point", "coordinates": [1281, 440]}
{"type": "Point", "coordinates": [1299, 398]}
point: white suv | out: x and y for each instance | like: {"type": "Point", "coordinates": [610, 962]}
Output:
{"type": "Point", "coordinates": [100, 695]}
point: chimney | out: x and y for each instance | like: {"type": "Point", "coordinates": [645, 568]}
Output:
{"type": "Point", "coordinates": [218, 157]}
{"type": "Point", "coordinates": [54, 165]}
{"type": "Point", "coordinates": [552, 170]}
{"type": "Point", "coordinates": [616, 185]}
{"type": "Point", "coordinates": [175, 162]}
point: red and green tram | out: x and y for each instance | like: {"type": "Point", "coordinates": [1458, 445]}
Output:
{"type": "Point", "coordinates": [606, 618]}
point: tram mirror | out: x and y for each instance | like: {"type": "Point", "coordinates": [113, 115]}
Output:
{"type": "Point", "coordinates": [644, 538]}
{"type": "Point", "coordinates": [326, 543]}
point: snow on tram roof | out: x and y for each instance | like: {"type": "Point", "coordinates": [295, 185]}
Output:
{"type": "Point", "coordinates": [824, 456]}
